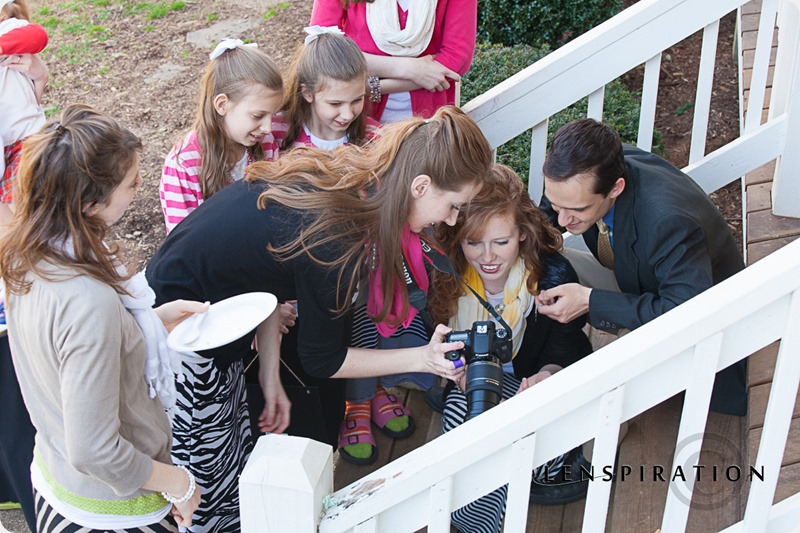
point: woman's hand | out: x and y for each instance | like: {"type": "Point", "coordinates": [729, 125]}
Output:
{"type": "Point", "coordinates": [175, 312]}
{"type": "Point", "coordinates": [277, 411]}
{"type": "Point", "coordinates": [435, 355]}
{"type": "Point", "coordinates": [429, 74]}
{"type": "Point", "coordinates": [174, 481]}
{"type": "Point", "coordinates": [182, 512]}
{"type": "Point", "coordinates": [288, 315]}
{"type": "Point", "coordinates": [545, 372]}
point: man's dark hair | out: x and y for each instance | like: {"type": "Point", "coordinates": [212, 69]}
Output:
{"type": "Point", "coordinates": [586, 146]}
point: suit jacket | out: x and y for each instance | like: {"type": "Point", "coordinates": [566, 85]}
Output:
{"type": "Point", "coordinates": [670, 244]}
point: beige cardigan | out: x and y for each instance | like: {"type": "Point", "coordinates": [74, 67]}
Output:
{"type": "Point", "coordinates": [79, 357]}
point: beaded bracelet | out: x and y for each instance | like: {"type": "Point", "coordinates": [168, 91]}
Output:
{"type": "Point", "coordinates": [374, 83]}
{"type": "Point", "coordinates": [189, 492]}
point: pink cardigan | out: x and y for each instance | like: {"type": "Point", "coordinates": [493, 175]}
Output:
{"type": "Point", "coordinates": [452, 43]}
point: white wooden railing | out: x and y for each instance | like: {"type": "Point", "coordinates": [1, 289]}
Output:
{"type": "Point", "coordinates": [639, 35]}
{"type": "Point", "coordinates": [679, 351]}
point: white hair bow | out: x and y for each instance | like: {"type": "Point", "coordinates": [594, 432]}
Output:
{"type": "Point", "coordinates": [315, 31]}
{"type": "Point", "coordinates": [228, 44]}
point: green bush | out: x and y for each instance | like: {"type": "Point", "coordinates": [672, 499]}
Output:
{"type": "Point", "coordinates": [554, 22]}
{"type": "Point", "coordinates": [494, 63]}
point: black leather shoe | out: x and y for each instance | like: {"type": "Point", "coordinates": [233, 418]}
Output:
{"type": "Point", "coordinates": [569, 485]}
{"type": "Point", "coordinates": [434, 397]}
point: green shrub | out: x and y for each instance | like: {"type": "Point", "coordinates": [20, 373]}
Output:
{"type": "Point", "coordinates": [494, 63]}
{"type": "Point", "coordinates": [554, 22]}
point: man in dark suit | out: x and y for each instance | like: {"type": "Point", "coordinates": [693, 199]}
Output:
{"type": "Point", "coordinates": [645, 221]}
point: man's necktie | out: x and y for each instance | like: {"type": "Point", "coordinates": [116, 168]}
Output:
{"type": "Point", "coordinates": [604, 251]}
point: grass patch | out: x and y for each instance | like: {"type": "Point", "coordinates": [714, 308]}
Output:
{"type": "Point", "coordinates": [684, 108]}
{"type": "Point", "coordinates": [51, 110]}
{"type": "Point", "coordinates": [104, 70]}
{"type": "Point", "coordinates": [76, 27]}
{"type": "Point", "coordinates": [211, 17]}
{"type": "Point", "coordinates": [274, 10]}
{"type": "Point", "coordinates": [50, 23]}
{"type": "Point", "coordinates": [162, 9]}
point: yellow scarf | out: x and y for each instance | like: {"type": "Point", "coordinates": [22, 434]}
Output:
{"type": "Point", "coordinates": [517, 303]}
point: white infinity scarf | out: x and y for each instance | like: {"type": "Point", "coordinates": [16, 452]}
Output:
{"type": "Point", "coordinates": [384, 25]}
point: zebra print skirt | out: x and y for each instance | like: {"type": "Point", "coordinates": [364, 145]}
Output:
{"type": "Point", "coordinates": [49, 521]}
{"type": "Point", "coordinates": [211, 436]}
{"type": "Point", "coordinates": [485, 514]}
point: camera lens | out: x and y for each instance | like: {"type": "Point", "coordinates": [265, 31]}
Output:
{"type": "Point", "coordinates": [484, 385]}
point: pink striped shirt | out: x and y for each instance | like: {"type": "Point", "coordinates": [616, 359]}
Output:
{"type": "Point", "coordinates": [180, 189]}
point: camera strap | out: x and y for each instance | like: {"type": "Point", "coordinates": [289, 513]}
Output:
{"type": "Point", "coordinates": [416, 296]}
{"type": "Point", "coordinates": [442, 263]}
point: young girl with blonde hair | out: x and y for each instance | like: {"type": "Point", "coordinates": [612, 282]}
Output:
{"type": "Point", "coordinates": [88, 346]}
{"type": "Point", "coordinates": [325, 93]}
{"type": "Point", "coordinates": [241, 90]}
{"type": "Point", "coordinates": [312, 229]}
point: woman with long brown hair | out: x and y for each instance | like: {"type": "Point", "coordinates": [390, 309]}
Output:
{"type": "Point", "coordinates": [506, 250]}
{"type": "Point", "coordinates": [311, 227]}
{"type": "Point", "coordinates": [87, 345]}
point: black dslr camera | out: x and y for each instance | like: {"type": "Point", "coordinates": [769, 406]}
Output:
{"type": "Point", "coordinates": [486, 350]}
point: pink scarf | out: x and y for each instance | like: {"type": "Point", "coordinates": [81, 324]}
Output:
{"type": "Point", "coordinates": [412, 250]}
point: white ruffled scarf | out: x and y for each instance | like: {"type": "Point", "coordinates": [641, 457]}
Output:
{"type": "Point", "coordinates": [161, 363]}
{"type": "Point", "coordinates": [384, 26]}
{"type": "Point", "coordinates": [517, 303]}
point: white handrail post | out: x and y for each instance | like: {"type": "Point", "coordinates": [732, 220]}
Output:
{"type": "Point", "coordinates": [647, 113]}
{"type": "Point", "coordinates": [693, 421]}
{"type": "Point", "coordinates": [785, 184]}
{"type": "Point", "coordinates": [758, 80]}
{"type": "Point", "coordinates": [776, 422]}
{"type": "Point", "coordinates": [538, 155]}
{"type": "Point", "coordinates": [605, 449]}
{"type": "Point", "coordinates": [283, 484]}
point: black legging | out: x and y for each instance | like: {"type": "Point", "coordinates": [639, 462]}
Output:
{"type": "Point", "coordinates": [16, 440]}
